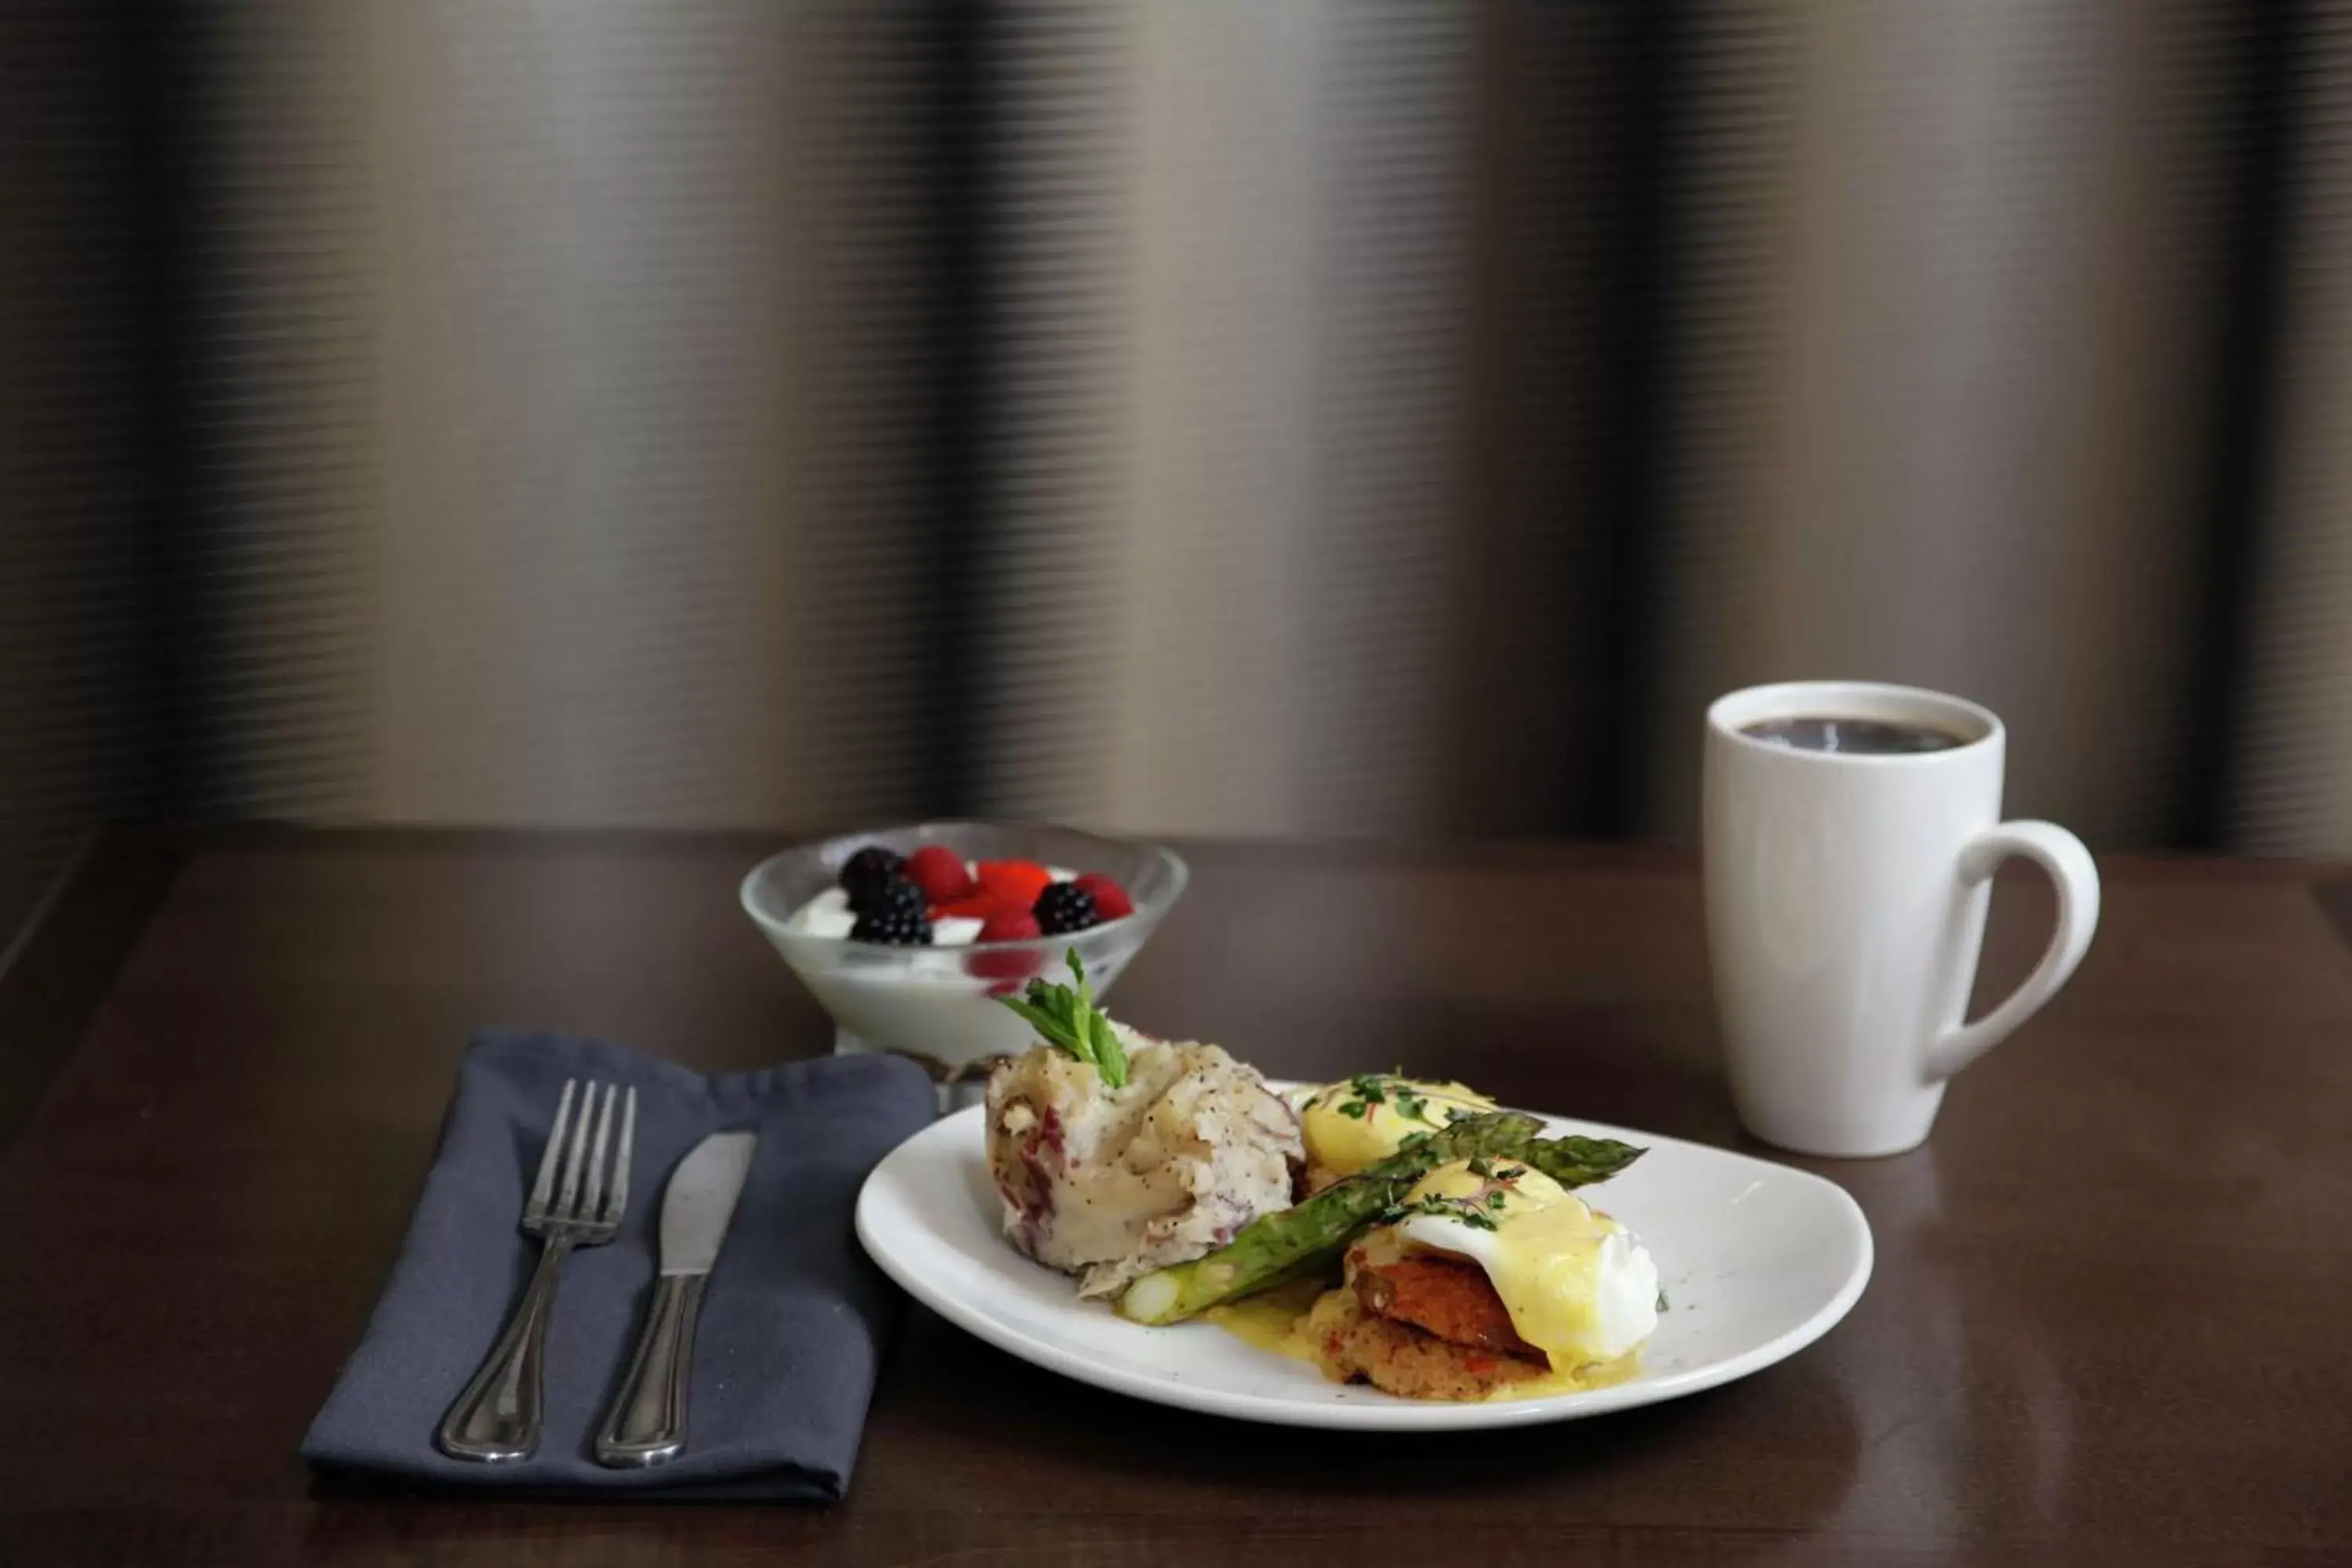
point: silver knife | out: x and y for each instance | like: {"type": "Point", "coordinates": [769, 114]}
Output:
{"type": "Point", "coordinates": [646, 1424]}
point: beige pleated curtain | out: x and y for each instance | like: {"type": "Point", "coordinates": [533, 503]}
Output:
{"type": "Point", "coordinates": [569, 384]}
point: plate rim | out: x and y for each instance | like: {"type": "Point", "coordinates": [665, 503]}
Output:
{"type": "Point", "coordinates": [1401, 1415]}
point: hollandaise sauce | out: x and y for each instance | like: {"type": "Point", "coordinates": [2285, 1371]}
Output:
{"type": "Point", "coordinates": [1598, 1375]}
{"type": "Point", "coordinates": [1352, 1124]}
{"type": "Point", "coordinates": [1272, 1319]}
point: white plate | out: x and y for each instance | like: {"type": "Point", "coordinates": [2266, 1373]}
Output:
{"type": "Point", "coordinates": [1759, 1262]}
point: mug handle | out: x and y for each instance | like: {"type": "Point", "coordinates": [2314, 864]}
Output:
{"type": "Point", "coordinates": [2062, 855]}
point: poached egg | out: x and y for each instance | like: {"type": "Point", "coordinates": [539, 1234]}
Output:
{"type": "Point", "coordinates": [1578, 1285]}
{"type": "Point", "coordinates": [1361, 1120]}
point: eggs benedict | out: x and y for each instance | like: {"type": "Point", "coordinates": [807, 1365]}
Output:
{"type": "Point", "coordinates": [1363, 1119]}
{"type": "Point", "coordinates": [1489, 1275]}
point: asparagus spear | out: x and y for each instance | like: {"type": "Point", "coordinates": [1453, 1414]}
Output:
{"type": "Point", "coordinates": [1281, 1246]}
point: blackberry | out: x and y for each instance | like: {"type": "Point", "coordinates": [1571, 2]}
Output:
{"type": "Point", "coordinates": [1066, 907]}
{"type": "Point", "coordinates": [869, 865]}
{"type": "Point", "coordinates": [887, 896]}
{"type": "Point", "coordinates": [894, 927]}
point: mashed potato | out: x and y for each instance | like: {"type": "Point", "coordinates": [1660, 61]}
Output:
{"type": "Point", "coordinates": [1113, 1182]}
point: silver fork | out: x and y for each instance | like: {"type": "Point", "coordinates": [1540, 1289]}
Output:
{"type": "Point", "coordinates": [498, 1416]}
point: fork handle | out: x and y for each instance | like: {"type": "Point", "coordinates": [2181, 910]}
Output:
{"type": "Point", "coordinates": [646, 1424]}
{"type": "Point", "coordinates": [496, 1420]}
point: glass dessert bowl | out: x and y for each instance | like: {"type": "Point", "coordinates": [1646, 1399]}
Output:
{"type": "Point", "coordinates": [922, 979]}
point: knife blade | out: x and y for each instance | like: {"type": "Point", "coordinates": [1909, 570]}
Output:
{"type": "Point", "coordinates": [646, 1424]}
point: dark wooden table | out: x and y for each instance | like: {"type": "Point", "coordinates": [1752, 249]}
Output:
{"type": "Point", "coordinates": [2111, 1322]}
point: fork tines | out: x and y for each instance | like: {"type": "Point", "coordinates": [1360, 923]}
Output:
{"type": "Point", "coordinates": [574, 1191]}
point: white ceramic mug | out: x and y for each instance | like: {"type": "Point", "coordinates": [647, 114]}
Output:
{"type": "Point", "coordinates": [1845, 903]}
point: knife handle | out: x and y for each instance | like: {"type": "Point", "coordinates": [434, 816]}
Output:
{"type": "Point", "coordinates": [646, 1424]}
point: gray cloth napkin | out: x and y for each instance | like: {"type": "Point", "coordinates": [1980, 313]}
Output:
{"type": "Point", "coordinates": [792, 1319]}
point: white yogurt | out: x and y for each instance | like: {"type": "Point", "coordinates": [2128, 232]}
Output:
{"type": "Point", "coordinates": [829, 914]}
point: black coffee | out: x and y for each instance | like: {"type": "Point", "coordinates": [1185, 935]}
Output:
{"type": "Point", "coordinates": [1859, 737]}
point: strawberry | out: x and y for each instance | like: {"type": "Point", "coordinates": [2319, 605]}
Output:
{"type": "Point", "coordinates": [939, 872]}
{"type": "Point", "coordinates": [1013, 883]}
{"type": "Point", "coordinates": [1010, 925]}
{"type": "Point", "coordinates": [1008, 968]}
{"type": "Point", "coordinates": [974, 907]}
{"type": "Point", "coordinates": [1112, 902]}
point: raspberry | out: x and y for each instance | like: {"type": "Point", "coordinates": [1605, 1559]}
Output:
{"type": "Point", "coordinates": [1066, 907]}
{"type": "Point", "coordinates": [1007, 925]}
{"type": "Point", "coordinates": [1016, 883]}
{"type": "Point", "coordinates": [937, 870]}
{"type": "Point", "coordinates": [1111, 901]}
{"type": "Point", "coordinates": [1010, 925]}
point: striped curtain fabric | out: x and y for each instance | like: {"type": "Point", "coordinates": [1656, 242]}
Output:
{"type": "Point", "coordinates": [1328, 416]}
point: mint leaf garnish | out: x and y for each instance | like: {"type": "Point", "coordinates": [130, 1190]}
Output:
{"type": "Point", "coordinates": [1066, 1019]}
